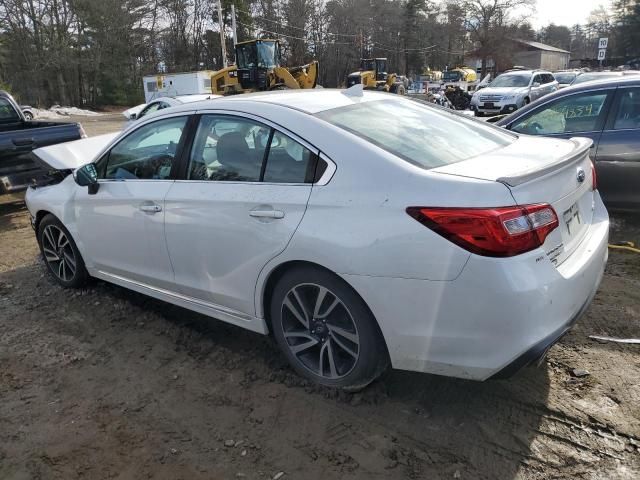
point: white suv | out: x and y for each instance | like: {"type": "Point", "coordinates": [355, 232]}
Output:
{"type": "Point", "coordinates": [512, 90]}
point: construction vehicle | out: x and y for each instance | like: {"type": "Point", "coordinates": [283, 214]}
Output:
{"type": "Point", "coordinates": [258, 68]}
{"type": "Point", "coordinates": [460, 74]}
{"type": "Point", "coordinates": [432, 75]}
{"type": "Point", "coordinates": [373, 76]}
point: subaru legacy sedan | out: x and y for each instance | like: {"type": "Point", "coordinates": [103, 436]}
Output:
{"type": "Point", "coordinates": [432, 242]}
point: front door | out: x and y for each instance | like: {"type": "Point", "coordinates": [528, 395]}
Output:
{"type": "Point", "coordinates": [245, 191]}
{"type": "Point", "coordinates": [121, 227]}
{"type": "Point", "coordinates": [618, 156]}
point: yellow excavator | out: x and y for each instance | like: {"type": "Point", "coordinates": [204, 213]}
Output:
{"type": "Point", "coordinates": [373, 76]}
{"type": "Point", "coordinates": [258, 68]}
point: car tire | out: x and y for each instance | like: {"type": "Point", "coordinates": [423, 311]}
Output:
{"type": "Point", "coordinates": [60, 253]}
{"type": "Point", "coordinates": [478, 114]}
{"type": "Point", "coordinates": [28, 116]}
{"type": "Point", "coordinates": [325, 329]}
{"type": "Point", "coordinates": [527, 101]}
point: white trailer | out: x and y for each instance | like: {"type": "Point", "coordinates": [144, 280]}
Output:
{"type": "Point", "coordinates": [174, 84]}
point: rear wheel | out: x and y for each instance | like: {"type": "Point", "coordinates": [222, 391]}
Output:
{"type": "Point", "coordinates": [60, 253]}
{"type": "Point", "coordinates": [325, 329]}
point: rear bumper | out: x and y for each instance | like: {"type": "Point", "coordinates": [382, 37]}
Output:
{"type": "Point", "coordinates": [495, 317]}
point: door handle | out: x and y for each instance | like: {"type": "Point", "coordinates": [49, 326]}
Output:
{"type": "Point", "coordinates": [23, 142]}
{"type": "Point", "coordinates": [150, 208]}
{"type": "Point", "coordinates": [266, 213]}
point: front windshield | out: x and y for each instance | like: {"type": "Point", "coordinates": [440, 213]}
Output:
{"type": "Point", "coordinates": [588, 77]}
{"type": "Point", "coordinates": [418, 133]}
{"type": "Point", "coordinates": [520, 80]}
{"type": "Point", "coordinates": [267, 54]}
{"type": "Point", "coordinates": [565, 78]}
{"type": "Point", "coordinates": [451, 76]}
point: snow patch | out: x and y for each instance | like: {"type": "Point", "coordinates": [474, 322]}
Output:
{"type": "Point", "coordinates": [61, 112]}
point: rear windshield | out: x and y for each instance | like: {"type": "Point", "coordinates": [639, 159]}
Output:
{"type": "Point", "coordinates": [588, 77]}
{"type": "Point", "coordinates": [420, 134]}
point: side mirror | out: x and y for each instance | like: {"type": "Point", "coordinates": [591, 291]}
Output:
{"type": "Point", "coordinates": [133, 116]}
{"type": "Point", "coordinates": [536, 84]}
{"type": "Point", "coordinates": [87, 176]}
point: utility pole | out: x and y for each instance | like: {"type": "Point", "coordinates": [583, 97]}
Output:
{"type": "Point", "coordinates": [233, 25]}
{"type": "Point", "coordinates": [222, 41]}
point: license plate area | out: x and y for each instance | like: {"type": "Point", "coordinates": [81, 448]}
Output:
{"type": "Point", "coordinates": [489, 105]}
{"type": "Point", "coordinates": [571, 219]}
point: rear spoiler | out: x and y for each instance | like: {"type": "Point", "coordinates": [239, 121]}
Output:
{"type": "Point", "coordinates": [582, 147]}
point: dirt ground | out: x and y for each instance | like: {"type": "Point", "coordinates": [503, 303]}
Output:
{"type": "Point", "coordinates": [106, 383]}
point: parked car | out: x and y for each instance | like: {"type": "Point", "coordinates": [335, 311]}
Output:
{"type": "Point", "coordinates": [28, 112]}
{"type": "Point", "coordinates": [607, 112]}
{"type": "Point", "coordinates": [18, 137]}
{"type": "Point", "coordinates": [591, 76]}
{"type": "Point", "coordinates": [566, 77]}
{"type": "Point", "coordinates": [512, 90]}
{"type": "Point", "coordinates": [136, 113]}
{"type": "Point", "coordinates": [420, 237]}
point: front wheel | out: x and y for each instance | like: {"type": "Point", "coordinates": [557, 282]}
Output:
{"type": "Point", "coordinates": [60, 253]}
{"type": "Point", "coordinates": [326, 330]}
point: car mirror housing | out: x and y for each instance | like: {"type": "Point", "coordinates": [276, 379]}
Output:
{"type": "Point", "coordinates": [87, 176]}
{"type": "Point", "coordinates": [536, 84]}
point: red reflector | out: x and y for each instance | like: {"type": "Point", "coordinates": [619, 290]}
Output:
{"type": "Point", "coordinates": [491, 232]}
{"type": "Point", "coordinates": [594, 177]}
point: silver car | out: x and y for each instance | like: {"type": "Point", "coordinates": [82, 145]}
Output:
{"type": "Point", "coordinates": [512, 90]}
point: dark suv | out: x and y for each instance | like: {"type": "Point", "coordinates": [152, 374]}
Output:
{"type": "Point", "coordinates": [606, 111]}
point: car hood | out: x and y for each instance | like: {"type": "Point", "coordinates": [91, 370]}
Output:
{"type": "Point", "coordinates": [71, 155]}
{"type": "Point", "coordinates": [502, 91]}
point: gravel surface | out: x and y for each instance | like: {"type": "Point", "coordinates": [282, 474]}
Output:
{"type": "Point", "coordinates": [106, 383]}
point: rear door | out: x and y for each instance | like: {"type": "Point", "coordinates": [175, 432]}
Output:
{"type": "Point", "coordinates": [244, 192]}
{"type": "Point", "coordinates": [618, 155]}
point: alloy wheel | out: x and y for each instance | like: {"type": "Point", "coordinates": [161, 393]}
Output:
{"type": "Point", "coordinates": [58, 253]}
{"type": "Point", "coordinates": [320, 331]}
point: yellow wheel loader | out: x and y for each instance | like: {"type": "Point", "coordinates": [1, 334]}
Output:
{"type": "Point", "coordinates": [373, 76]}
{"type": "Point", "coordinates": [258, 68]}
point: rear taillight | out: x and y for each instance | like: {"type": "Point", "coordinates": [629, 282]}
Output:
{"type": "Point", "coordinates": [491, 232]}
{"type": "Point", "coordinates": [594, 178]}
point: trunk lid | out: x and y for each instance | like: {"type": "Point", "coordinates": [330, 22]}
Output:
{"type": "Point", "coordinates": [71, 155]}
{"type": "Point", "coordinates": [543, 170]}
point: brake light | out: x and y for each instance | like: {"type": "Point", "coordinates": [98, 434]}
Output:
{"type": "Point", "coordinates": [491, 232]}
{"type": "Point", "coordinates": [594, 178]}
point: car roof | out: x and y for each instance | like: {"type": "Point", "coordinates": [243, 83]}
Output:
{"type": "Point", "coordinates": [308, 100]}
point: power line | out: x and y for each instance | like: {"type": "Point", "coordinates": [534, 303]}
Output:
{"type": "Point", "coordinates": [377, 46]}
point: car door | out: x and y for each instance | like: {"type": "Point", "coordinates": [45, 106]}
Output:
{"type": "Point", "coordinates": [245, 190]}
{"type": "Point", "coordinates": [618, 155]}
{"type": "Point", "coordinates": [121, 227]}
{"type": "Point", "coordinates": [578, 114]}
{"type": "Point", "coordinates": [534, 88]}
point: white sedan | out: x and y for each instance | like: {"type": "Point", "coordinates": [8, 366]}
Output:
{"type": "Point", "coordinates": [360, 229]}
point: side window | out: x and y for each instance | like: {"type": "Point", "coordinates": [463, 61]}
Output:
{"type": "Point", "coordinates": [628, 115]}
{"type": "Point", "coordinates": [288, 161]}
{"type": "Point", "coordinates": [577, 113]}
{"type": "Point", "coordinates": [146, 153]}
{"type": "Point", "coordinates": [548, 78]}
{"type": "Point", "coordinates": [150, 109]}
{"type": "Point", "coordinates": [228, 148]}
{"type": "Point", "coordinates": [537, 79]}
